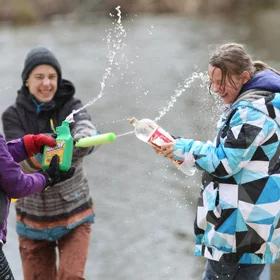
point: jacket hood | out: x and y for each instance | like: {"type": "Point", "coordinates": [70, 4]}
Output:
{"type": "Point", "coordinates": [264, 101]}
{"type": "Point", "coordinates": [262, 93]}
{"type": "Point", "coordinates": [65, 92]}
{"type": "Point", "coordinates": [264, 80]}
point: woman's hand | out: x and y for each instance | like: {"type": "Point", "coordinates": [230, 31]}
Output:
{"type": "Point", "coordinates": [165, 150]}
{"type": "Point", "coordinates": [54, 175]}
{"type": "Point", "coordinates": [34, 143]}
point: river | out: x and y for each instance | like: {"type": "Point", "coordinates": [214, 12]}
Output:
{"type": "Point", "coordinates": [144, 205]}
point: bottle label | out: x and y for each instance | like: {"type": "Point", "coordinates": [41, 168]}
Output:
{"type": "Point", "coordinates": [52, 151]}
{"type": "Point", "coordinates": [159, 137]}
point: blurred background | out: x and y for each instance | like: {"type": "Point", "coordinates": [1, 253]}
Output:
{"type": "Point", "coordinates": [142, 59]}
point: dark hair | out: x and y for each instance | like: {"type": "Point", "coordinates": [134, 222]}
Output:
{"type": "Point", "coordinates": [233, 59]}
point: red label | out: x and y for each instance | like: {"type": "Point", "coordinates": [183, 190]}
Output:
{"type": "Point", "coordinates": [159, 137]}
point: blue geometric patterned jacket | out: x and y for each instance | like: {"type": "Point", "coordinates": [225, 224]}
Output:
{"type": "Point", "coordinates": [238, 213]}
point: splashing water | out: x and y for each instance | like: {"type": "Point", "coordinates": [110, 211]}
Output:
{"type": "Point", "coordinates": [182, 88]}
{"type": "Point", "coordinates": [115, 38]}
{"type": "Point", "coordinates": [216, 106]}
{"type": "Point", "coordinates": [178, 92]}
{"type": "Point", "coordinates": [126, 133]}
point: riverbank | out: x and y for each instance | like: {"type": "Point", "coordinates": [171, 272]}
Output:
{"type": "Point", "coordinates": [32, 11]}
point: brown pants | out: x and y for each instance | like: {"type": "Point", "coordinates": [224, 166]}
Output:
{"type": "Point", "coordinates": [39, 257]}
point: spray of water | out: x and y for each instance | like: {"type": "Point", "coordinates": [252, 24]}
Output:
{"type": "Point", "coordinates": [126, 133]}
{"type": "Point", "coordinates": [181, 89]}
{"type": "Point", "coordinates": [178, 92]}
{"type": "Point", "coordinates": [115, 42]}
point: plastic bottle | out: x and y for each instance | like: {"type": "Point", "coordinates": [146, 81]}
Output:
{"type": "Point", "coordinates": [150, 132]}
{"type": "Point", "coordinates": [63, 148]}
{"type": "Point", "coordinates": [96, 140]}
{"type": "Point", "coordinates": [186, 164]}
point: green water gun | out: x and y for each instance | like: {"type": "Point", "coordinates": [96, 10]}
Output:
{"type": "Point", "coordinates": [64, 148]}
{"type": "Point", "coordinates": [65, 145]}
{"type": "Point", "coordinates": [96, 140]}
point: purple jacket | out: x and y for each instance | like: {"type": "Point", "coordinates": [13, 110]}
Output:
{"type": "Point", "coordinates": [13, 182]}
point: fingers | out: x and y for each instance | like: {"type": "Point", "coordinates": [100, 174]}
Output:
{"type": "Point", "coordinates": [54, 161]}
{"type": "Point", "coordinates": [43, 139]}
{"type": "Point", "coordinates": [165, 150]}
{"type": "Point", "coordinates": [168, 154]}
{"type": "Point", "coordinates": [157, 149]}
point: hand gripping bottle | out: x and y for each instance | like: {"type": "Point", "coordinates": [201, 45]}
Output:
{"type": "Point", "coordinates": [63, 148]}
{"type": "Point", "coordinates": [149, 132]}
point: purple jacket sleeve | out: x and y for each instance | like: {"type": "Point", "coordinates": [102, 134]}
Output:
{"type": "Point", "coordinates": [13, 180]}
{"type": "Point", "coordinates": [17, 149]}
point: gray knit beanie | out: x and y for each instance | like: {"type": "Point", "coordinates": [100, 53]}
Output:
{"type": "Point", "coordinates": [39, 56]}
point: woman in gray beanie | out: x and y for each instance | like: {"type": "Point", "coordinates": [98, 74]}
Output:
{"type": "Point", "coordinates": [61, 217]}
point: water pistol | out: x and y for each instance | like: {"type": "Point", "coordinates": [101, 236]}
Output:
{"type": "Point", "coordinates": [65, 145]}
